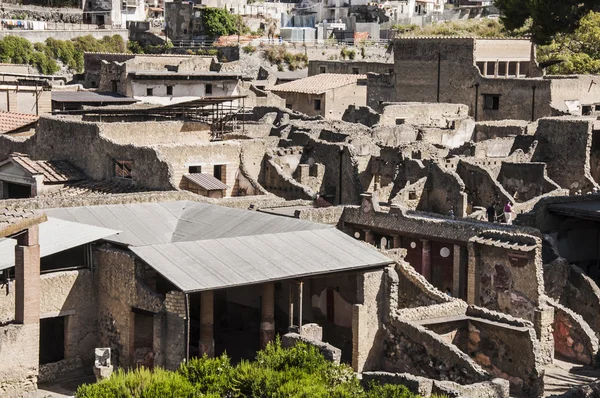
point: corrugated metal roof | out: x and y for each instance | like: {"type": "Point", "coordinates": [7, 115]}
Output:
{"type": "Point", "coordinates": [206, 181]}
{"type": "Point", "coordinates": [155, 223]}
{"type": "Point", "coordinates": [90, 96]}
{"type": "Point", "coordinates": [227, 262]}
{"type": "Point", "coordinates": [317, 84]}
{"type": "Point", "coordinates": [56, 235]}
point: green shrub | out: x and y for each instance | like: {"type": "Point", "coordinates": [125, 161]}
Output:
{"type": "Point", "coordinates": [297, 372]}
{"type": "Point", "coordinates": [347, 53]}
{"type": "Point", "coordinates": [209, 375]}
{"type": "Point", "coordinates": [220, 22]}
{"type": "Point", "coordinates": [141, 383]}
{"type": "Point", "coordinates": [249, 49]}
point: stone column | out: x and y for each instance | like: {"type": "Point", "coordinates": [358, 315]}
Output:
{"type": "Point", "coordinates": [267, 321]}
{"type": "Point", "coordinates": [518, 69]}
{"type": "Point", "coordinates": [485, 66]}
{"type": "Point", "coordinates": [27, 277]}
{"type": "Point", "coordinates": [471, 275]}
{"type": "Point", "coordinates": [397, 241]}
{"type": "Point", "coordinates": [369, 238]}
{"type": "Point", "coordinates": [456, 272]}
{"type": "Point", "coordinates": [291, 303]}
{"type": "Point", "coordinates": [426, 259]}
{"type": "Point", "coordinates": [496, 67]}
{"type": "Point", "coordinates": [207, 339]}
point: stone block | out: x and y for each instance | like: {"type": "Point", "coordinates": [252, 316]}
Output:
{"type": "Point", "coordinates": [312, 331]}
{"type": "Point", "coordinates": [330, 352]}
{"type": "Point", "coordinates": [102, 357]}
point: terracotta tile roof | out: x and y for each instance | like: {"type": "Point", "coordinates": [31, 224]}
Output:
{"type": "Point", "coordinates": [91, 188]}
{"type": "Point", "coordinates": [206, 181]}
{"type": "Point", "coordinates": [317, 84]}
{"type": "Point", "coordinates": [10, 121]}
{"type": "Point", "coordinates": [13, 220]}
{"type": "Point", "coordinates": [52, 170]}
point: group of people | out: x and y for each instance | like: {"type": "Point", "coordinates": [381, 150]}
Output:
{"type": "Point", "coordinates": [505, 216]}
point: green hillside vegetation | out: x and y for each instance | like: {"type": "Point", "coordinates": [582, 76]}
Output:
{"type": "Point", "coordinates": [295, 372]}
{"type": "Point", "coordinates": [44, 56]}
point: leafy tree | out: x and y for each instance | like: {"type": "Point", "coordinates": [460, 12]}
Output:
{"type": "Point", "coordinates": [548, 17]}
{"type": "Point", "coordinates": [579, 51]}
{"type": "Point", "coordinates": [220, 22]}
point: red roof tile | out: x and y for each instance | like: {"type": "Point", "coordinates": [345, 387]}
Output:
{"type": "Point", "coordinates": [10, 121]}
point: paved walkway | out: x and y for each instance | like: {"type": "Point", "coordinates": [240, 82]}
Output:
{"type": "Point", "coordinates": [563, 375]}
{"type": "Point", "coordinates": [61, 389]}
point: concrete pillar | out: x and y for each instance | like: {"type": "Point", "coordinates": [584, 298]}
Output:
{"type": "Point", "coordinates": [485, 66]}
{"type": "Point", "coordinates": [369, 237]}
{"type": "Point", "coordinates": [27, 277]}
{"type": "Point", "coordinates": [267, 318]}
{"type": "Point", "coordinates": [518, 69]}
{"type": "Point", "coordinates": [207, 338]}
{"type": "Point", "coordinates": [496, 67]}
{"type": "Point", "coordinates": [456, 272]}
{"type": "Point", "coordinates": [397, 241]}
{"type": "Point", "coordinates": [426, 259]}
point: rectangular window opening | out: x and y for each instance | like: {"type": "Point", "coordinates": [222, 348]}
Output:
{"type": "Point", "coordinates": [123, 169]}
{"type": "Point", "coordinates": [355, 71]}
{"type": "Point", "coordinates": [491, 102]}
{"type": "Point", "coordinates": [195, 169]}
{"type": "Point", "coordinates": [149, 92]}
{"type": "Point", "coordinates": [219, 172]}
{"type": "Point", "coordinates": [208, 89]}
{"type": "Point", "coordinates": [169, 90]}
{"type": "Point", "coordinates": [322, 69]}
{"type": "Point", "coordinates": [317, 105]}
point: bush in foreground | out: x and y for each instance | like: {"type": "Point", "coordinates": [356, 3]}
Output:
{"type": "Point", "coordinates": [297, 372]}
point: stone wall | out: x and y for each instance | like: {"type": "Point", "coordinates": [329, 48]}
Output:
{"type": "Point", "coordinates": [444, 70]}
{"type": "Point", "coordinates": [571, 287]}
{"type": "Point", "coordinates": [527, 180]}
{"type": "Point", "coordinates": [481, 187]}
{"type": "Point", "coordinates": [330, 352]}
{"type": "Point", "coordinates": [120, 291]}
{"type": "Point", "coordinates": [508, 352]}
{"type": "Point", "coordinates": [498, 129]}
{"type": "Point", "coordinates": [497, 388]}
{"type": "Point", "coordinates": [38, 13]}
{"type": "Point", "coordinates": [368, 316]}
{"type": "Point", "coordinates": [573, 337]}
{"type": "Point", "coordinates": [409, 348]}
{"type": "Point", "coordinates": [444, 190]}
{"type": "Point", "coordinates": [568, 168]}
{"type": "Point", "coordinates": [19, 359]}
{"type": "Point", "coordinates": [508, 288]}
{"type": "Point", "coordinates": [40, 36]}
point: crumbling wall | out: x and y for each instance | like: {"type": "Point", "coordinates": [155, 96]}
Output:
{"type": "Point", "coordinates": [64, 139]}
{"type": "Point", "coordinates": [440, 115]}
{"type": "Point", "coordinates": [120, 291]}
{"type": "Point", "coordinates": [424, 387]}
{"type": "Point", "coordinates": [499, 129]}
{"type": "Point", "coordinates": [444, 190]}
{"type": "Point", "coordinates": [482, 189]}
{"type": "Point", "coordinates": [410, 348]}
{"type": "Point", "coordinates": [508, 284]}
{"type": "Point", "coordinates": [527, 180]}
{"type": "Point", "coordinates": [572, 288]}
{"type": "Point", "coordinates": [19, 359]}
{"type": "Point", "coordinates": [564, 144]}
{"type": "Point", "coordinates": [509, 352]}
{"type": "Point", "coordinates": [573, 337]}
